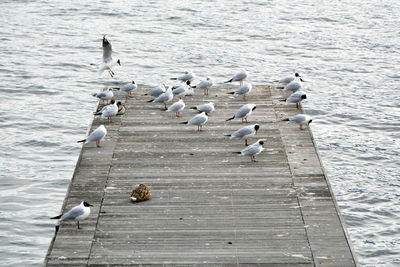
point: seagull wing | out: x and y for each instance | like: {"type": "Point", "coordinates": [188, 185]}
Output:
{"type": "Point", "coordinates": [243, 131]}
{"type": "Point", "coordinates": [198, 119]}
{"type": "Point", "coordinates": [96, 135]}
{"type": "Point", "coordinates": [242, 111]}
{"type": "Point", "coordinates": [73, 213]}
{"type": "Point", "coordinates": [107, 50]}
{"type": "Point", "coordinates": [251, 150]}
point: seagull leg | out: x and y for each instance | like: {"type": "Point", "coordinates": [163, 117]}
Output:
{"type": "Point", "coordinates": [201, 128]}
{"type": "Point", "coordinates": [297, 105]}
{"type": "Point", "coordinates": [301, 127]}
{"type": "Point", "coordinates": [245, 143]}
{"type": "Point", "coordinates": [98, 143]}
{"type": "Point", "coordinates": [78, 225]}
{"type": "Point", "coordinates": [165, 106]}
{"type": "Point", "coordinates": [241, 83]}
{"type": "Point", "coordinates": [244, 97]}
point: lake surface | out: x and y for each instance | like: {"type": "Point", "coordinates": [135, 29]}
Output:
{"type": "Point", "coordinates": [347, 51]}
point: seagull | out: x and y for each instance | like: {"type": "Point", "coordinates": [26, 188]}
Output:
{"type": "Point", "coordinates": [177, 107]}
{"type": "Point", "coordinates": [105, 95]}
{"type": "Point", "coordinates": [288, 79]}
{"type": "Point", "coordinates": [77, 213]}
{"type": "Point", "coordinates": [252, 150]}
{"type": "Point", "coordinates": [129, 88]}
{"type": "Point", "coordinates": [121, 108]}
{"type": "Point", "coordinates": [164, 98]}
{"type": "Point", "coordinates": [156, 91]}
{"type": "Point", "coordinates": [187, 76]}
{"type": "Point", "coordinates": [301, 119]}
{"type": "Point", "coordinates": [294, 85]}
{"type": "Point", "coordinates": [207, 108]}
{"type": "Point", "coordinates": [239, 77]}
{"type": "Point", "coordinates": [96, 136]}
{"type": "Point", "coordinates": [296, 97]}
{"type": "Point", "coordinates": [244, 112]}
{"type": "Point", "coordinates": [199, 120]}
{"type": "Point", "coordinates": [205, 84]}
{"type": "Point", "coordinates": [140, 193]}
{"type": "Point", "coordinates": [181, 90]}
{"type": "Point", "coordinates": [109, 111]}
{"type": "Point", "coordinates": [243, 90]}
{"type": "Point", "coordinates": [245, 132]}
{"type": "Point", "coordinates": [108, 61]}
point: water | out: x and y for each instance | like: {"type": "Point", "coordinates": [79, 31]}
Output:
{"type": "Point", "coordinates": [348, 51]}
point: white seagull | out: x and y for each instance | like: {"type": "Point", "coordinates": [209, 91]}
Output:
{"type": "Point", "coordinates": [296, 97]}
{"type": "Point", "coordinates": [108, 61]}
{"type": "Point", "coordinates": [288, 79]}
{"type": "Point", "coordinates": [96, 136]}
{"type": "Point", "coordinates": [252, 150]}
{"type": "Point", "coordinates": [199, 120]}
{"type": "Point", "coordinates": [77, 213]}
{"type": "Point", "coordinates": [156, 91]}
{"type": "Point", "coordinates": [187, 76]}
{"type": "Point", "coordinates": [129, 88]}
{"type": "Point", "coordinates": [301, 119]}
{"type": "Point", "coordinates": [109, 111]}
{"type": "Point", "coordinates": [177, 107]}
{"type": "Point", "coordinates": [164, 98]}
{"type": "Point", "coordinates": [207, 108]}
{"type": "Point", "coordinates": [245, 132]}
{"type": "Point", "coordinates": [243, 90]}
{"type": "Point", "coordinates": [239, 77]}
{"type": "Point", "coordinates": [243, 112]}
{"type": "Point", "coordinates": [181, 90]}
{"type": "Point", "coordinates": [205, 84]}
{"type": "Point", "coordinates": [106, 95]}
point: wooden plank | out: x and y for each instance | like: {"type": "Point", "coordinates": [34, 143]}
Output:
{"type": "Point", "coordinates": [209, 206]}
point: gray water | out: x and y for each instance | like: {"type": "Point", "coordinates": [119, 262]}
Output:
{"type": "Point", "coordinates": [348, 51]}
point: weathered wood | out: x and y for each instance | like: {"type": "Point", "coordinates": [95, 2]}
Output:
{"type": "Point", "coordinates": [209, 206]}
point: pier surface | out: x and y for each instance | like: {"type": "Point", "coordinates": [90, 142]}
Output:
{"type": "Point", "coordinates": [209, 207]}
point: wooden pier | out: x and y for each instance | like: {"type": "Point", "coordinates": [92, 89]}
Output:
{"type": "Point", "coordinates": [209, 207]}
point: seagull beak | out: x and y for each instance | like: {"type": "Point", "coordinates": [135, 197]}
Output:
{"type": "Point", "coordinates": [302, 80]}
{"type": "Point", "coordinates": [119, 62]}
{"type": "Point", "coordinates": [90, 205]}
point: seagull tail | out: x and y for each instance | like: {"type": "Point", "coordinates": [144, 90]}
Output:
{"type": "Point", "coordinates": [236, 152]}
{"type": "Point", "coordinates": [116, 88]}
{"type": "Point", "coordinates": [195, 108]}
{"type": "Point", "coordinates": [174, 78]}
{"type": "Point", "coordinates": [57, 217]}
{"type": "Point", "coordinates": [229, 81]}
{"type": "Point", "coordinates": [231, 93]}
{"type": "Point", "coordinates": [185, 122]}
{"type": "Point", "coordinates": [228, 135]}
{"type": "Point", "coordinates": [283, 100]}
{"type": "Point", "coordinates": [94, 94]}
{"type": "Point", "coordinates": [134, 199]}
{"type": "Point", "coordinates": [287, 119]}
{"type": "Point", "coordinates": [150, 101]}
{"type": "Point", "coordinates": [82, 141]}
{"type": "Point", "coordinates": [280, 87]}
{"type": "Point", "coordinates": [97, 113]}
{"type": "Point", "coordinates": [230, 118]}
